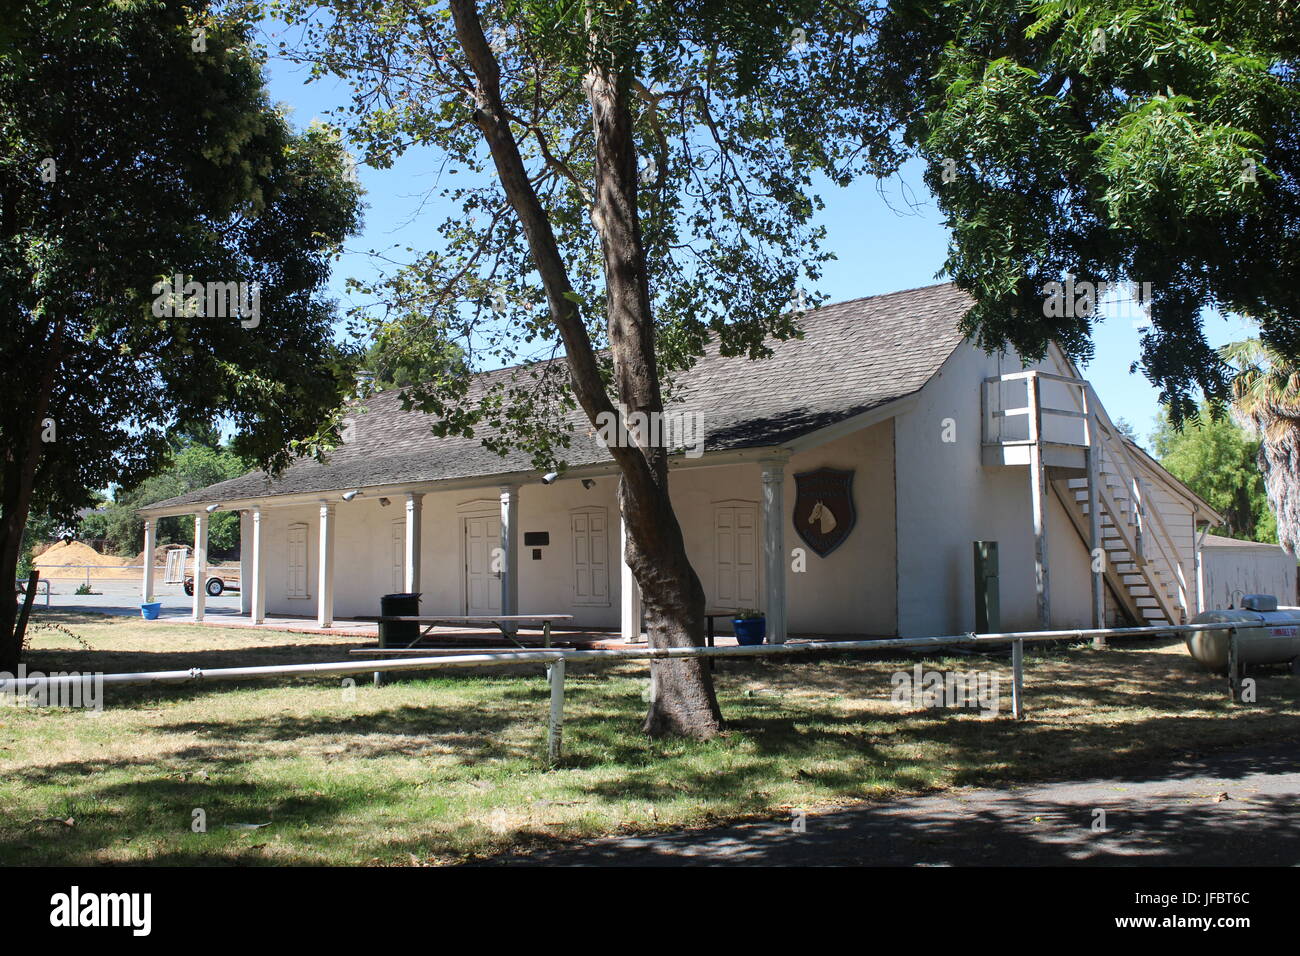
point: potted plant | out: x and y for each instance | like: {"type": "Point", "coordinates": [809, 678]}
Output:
{"type": "Point", "coordinates": [750, 626]}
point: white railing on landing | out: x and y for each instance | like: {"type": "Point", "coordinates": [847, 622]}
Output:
{"type": "Point", "coordinates": [996, 418]}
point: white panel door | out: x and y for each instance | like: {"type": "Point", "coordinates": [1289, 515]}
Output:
{"type": "Point", "coordinates": [482, 584]}
{"type": "Point", "coordinates": [735, 549]}
{"type": "Point", "coordinates": [590, 558]}
{"type": "Point", "coordinates": [397, 552]}
{"type": "Point", "coordinates": [296, 571]}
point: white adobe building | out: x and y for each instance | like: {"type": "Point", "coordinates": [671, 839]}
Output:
{"type": "Point", "coordinates": [940, 444]}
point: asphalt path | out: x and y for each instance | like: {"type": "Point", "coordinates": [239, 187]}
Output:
{"type": "Point", "coordinates": [1233, 809]}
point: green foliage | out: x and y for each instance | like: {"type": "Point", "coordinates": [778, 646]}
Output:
{"type": "Point", "coordinates": [1218, 459]}
{"type": "Point", "coordinates": [197, 461]}
{"type": "Point", "coordinates": [168, 160]}
{"type": "Point", "coordinates": [730, 121]}
{"type": "Point", "coordinates": [1266, 392]}
{"type": "Point", "coordinates": [1145, 141]}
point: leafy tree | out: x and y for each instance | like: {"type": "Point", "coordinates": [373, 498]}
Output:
{"type": "Point", "coordinates": [631, 180]}
{"type": "Point", "coordinates": [1217, 458]}
{"type": "Point", "coordinates": [1143, 141]}
{"type": "Point", "coordinates": [1266, 391]}
{"type": "Point", "coordinates": [137, 143]}
{"type": "Point", "coordinates": [1125, 429]}
{"type": "Point", "coordinates": [398, 360]}
{"type": "Point", "coordinates": [198, 460]}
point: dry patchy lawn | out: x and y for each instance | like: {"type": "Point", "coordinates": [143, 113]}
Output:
{"type": "Point", "coordinates": [449, 768]}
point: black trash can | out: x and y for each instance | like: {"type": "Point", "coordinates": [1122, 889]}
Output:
{"type": "Point", "coordinates": [398, 633]}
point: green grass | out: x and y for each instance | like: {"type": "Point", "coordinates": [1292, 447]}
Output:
{"type": "Point", "coordinates": [449, 768]}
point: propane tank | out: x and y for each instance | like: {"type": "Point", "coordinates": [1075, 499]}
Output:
{"type": "Point", "coordinates": [1255, 645]}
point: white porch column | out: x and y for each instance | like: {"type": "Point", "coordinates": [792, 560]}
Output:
{"type": "Point", "coordinates": [509, 549]}
{"type": "Point", "coordinates": [774, 548]}
{"type": "Point", "coordinates": [1038, 503]}
{"type": "Point", "coordinates": [257, 576]}
{"type": "Point", "coordinates": [146, 582]}
{"type": "Point", "coordinates": [1092, 458]}
{"type": "Point", "coordinates": [1198, 557]}
{"type": "Point", "coordinates": [325, 567]}
{"type": "Point", "coordinates": [200, 563]}
{"type": "Point", "coordinates": [411, 566]}
{"type": "Point", "coordinates": [629, 590]}
{"type": "Point", "coordinates": [245, 560]}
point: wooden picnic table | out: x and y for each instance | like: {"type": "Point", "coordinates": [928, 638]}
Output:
{"type": "Point", "coordinates": [508, 624]}
{"type": "Point", "coordinates": [709, 615]}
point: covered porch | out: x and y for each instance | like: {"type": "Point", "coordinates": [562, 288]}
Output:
{"type": "Point", "coordinates": [319, 563]}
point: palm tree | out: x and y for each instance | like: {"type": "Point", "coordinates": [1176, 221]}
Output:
{"type": "Point", "coordinates": [1266, 393]}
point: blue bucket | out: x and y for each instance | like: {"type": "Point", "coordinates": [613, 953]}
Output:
{"type": "Point", "coordinates": [150, 611]}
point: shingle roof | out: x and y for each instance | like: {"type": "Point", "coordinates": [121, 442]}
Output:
{"type": "Point", "coordinates": [854, 356]}
{"type": "Point", "coordinates": [1219, 541]}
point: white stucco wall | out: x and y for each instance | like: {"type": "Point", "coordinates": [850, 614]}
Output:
{"type": "Point", "coordinates": [948, 499]}
{"type": "Point", "coordinates": [852, 590]}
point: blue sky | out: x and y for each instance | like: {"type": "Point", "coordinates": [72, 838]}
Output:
{"type": "Point", "coordinates": [882, 242]}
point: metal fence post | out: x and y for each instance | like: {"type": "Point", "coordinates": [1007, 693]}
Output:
{"type": "Point", "coordinates": [555, 729]}
{"type": "Point", "coordinates": [1018, 679]}
{"type": "Point", "coordinates": [1234, 667]}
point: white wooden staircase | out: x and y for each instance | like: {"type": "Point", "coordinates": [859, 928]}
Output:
{"type": "Point", "coordinates": [1142, 565]}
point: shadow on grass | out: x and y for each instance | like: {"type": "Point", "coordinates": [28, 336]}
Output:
{"type": "Point", "coordinates": [803, 724]}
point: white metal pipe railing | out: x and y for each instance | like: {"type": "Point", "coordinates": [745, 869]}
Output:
{"type": "Point", "coordinates": [555, 675]}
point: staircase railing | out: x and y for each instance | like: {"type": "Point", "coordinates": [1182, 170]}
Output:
{"type": "Point", "coordinates": [1152, 542]}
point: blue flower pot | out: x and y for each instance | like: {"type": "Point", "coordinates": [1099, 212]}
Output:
{"type": "Point", "coordinates": [749, 631]}
{"type": "Point", "coordinates": [150, 611]}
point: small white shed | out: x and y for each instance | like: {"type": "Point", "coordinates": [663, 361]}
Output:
{"type": "Point", "coordinates": [1231, 567]}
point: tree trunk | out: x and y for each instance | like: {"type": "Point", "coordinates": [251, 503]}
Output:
{"type": "Point", "coordinates": [19, 467]}
{"type": "Point", "coordinates": [681, 691]}
{"type": "Point", "coordinates": [682, 697]}
{"type": "Point", "coordinates": [1279, 460]}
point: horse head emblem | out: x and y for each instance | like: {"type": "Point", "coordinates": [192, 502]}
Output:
{"type": "Point", "coordinates": [823, 509]}
{"type": "Point", "coordinates": [823, 517]}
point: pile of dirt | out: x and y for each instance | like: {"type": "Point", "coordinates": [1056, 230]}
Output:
{"type": "Point", "coordinates": [70, 560]}
{"type": "Point", "coordinates": [76, 552]}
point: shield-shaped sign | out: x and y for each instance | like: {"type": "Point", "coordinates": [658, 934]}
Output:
{"type": "Point", "coordinates": [823, 508]}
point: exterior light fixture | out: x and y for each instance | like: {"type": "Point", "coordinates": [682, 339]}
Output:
{"type": "Point", "coordinates": [349, 495]}
{"type": "Point", "coordinates": [212, 508]}
{"type": "Point", "coordinates": [549, 477]}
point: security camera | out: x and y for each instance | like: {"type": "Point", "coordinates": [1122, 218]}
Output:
{"type": "Point", "coordinates": [550, 477]}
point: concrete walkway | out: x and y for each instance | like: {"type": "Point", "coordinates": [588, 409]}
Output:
{"type": "Point", "coordinates": [1237, 809]}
